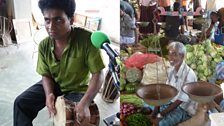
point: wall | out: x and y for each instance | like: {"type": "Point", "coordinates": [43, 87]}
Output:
{"type": "Point", "coordinates": [37, 12]}
{"type": "Point", "coordinates": [108, 10]}
{"type": "Point", "coordinates": [22, 9]}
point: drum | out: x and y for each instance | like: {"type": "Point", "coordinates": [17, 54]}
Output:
{"type": "Point", "coordinates": [66, 116]}
{"type": "Point", "coordinates": [110, 93]}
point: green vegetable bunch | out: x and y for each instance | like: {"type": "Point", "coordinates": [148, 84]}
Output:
{"type": "Point", "coordinates": [150, 41]}
{"type": "Point", "coordinates": [138, 120]}
{"type": "Point", "coordinates": [155, 44]}
{"type": "Point", "coordinates": [131, 98]}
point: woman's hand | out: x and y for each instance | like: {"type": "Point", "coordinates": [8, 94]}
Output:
{"type": "Point", "coordinates": [82, 113]}
{"type": "Point", "coordinates": [50, 104]}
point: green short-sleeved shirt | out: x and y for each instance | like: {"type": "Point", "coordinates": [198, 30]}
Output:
{"type": "Point", "coordinates": [79, 58]}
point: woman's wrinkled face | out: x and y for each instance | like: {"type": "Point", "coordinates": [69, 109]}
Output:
{"type": "Point", "coordinates": [57, 23]}
{"type": "Point", "coordinates": [174, 57]}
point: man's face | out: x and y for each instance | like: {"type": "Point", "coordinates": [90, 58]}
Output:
{"type": "Point", "coordinates": [174, 57]}
{"type": "Point", "coordinates": [57, 23]}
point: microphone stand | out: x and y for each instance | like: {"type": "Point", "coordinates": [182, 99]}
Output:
{"type": "Point", "coordinates": [114, 68]}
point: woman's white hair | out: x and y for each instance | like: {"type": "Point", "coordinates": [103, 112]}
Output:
{"type": "Point", "coordinates": [179, 46]}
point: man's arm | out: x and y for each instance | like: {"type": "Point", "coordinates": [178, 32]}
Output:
{"type": "Point", "coordinates": [82, 109]}
{"type": "Point", "coordinates": [48, 85]}
{"type": "Point", "coordinates": [182, 25]}
{"type": "Point", "coordinates": [208, 32]}
{"type": "Point", "coordinates": [182, 29]}
{"type": "Point", "coordinates": [94, 86]}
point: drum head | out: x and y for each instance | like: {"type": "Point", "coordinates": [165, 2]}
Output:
{"type": "Point", "coordinates": [67, 117]}
{"type": "Point", "coordinates": [60, 118]}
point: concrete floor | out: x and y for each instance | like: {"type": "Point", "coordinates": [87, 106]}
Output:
{"type": "Point", "coordinates": [17, 73]}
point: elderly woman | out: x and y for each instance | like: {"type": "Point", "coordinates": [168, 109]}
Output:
{"type": "Point", "coordinates": [180, 108]}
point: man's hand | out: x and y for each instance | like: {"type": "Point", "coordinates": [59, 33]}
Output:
{"type": "Point", "coordinates": [50, 104]}
{"type": "Point", "coordinates": [82, 113]}
{"type": "Point", "coordinates": [155, 121]}
{"type": "Point", "coordinates": [82, 108]}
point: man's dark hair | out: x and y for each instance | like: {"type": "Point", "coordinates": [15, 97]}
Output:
{"type": "Point", "coordinates": [68, 6]}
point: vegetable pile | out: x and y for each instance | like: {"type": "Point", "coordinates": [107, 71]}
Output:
{"type": "Point", "coordinates": [203, 58]}
{"type": "Point", "coordinates": [138, 120]}
{"type": "Point", "coordinates": [127, 109]}
{"type": "Point", "coordinates": [129, 78]}
{"type": "Point", "coordinates": [131, 98]}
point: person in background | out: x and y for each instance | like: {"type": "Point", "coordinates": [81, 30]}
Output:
{"type": "Point", "coordinates": [130, 10]}
{"type": "Point", "coordinates": [196, 4]}
{"type": "Point", "coordinates": [217, 22]}
{"type": "Point", "coordinates": [218, 78]}
{"type": "Point", "coordinates": [166, 4]}
{"type": "Point", "coordinates": [214, 22]}
{"type": "Point", "coordinates": [184, 6]}
{"type": "Point", "coordinates": [174, 24]}
{"type": "Point", "coordinates": [147, 10]}
{"type": "Point", "coordinates": [127, 26]}
{"type": "Point", "coordinates": [65, 60]}
{"type": "Point", "coordinates": [181, 107]}
{"type": "Point", "coordinates": [210, 7]}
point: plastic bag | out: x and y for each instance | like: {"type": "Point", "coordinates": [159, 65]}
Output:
{"type": "Point", "coordinates": [154, 73]}
{"type": "Point", "coordinates": [139, 60]}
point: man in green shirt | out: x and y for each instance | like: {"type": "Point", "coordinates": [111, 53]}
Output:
{"type": "Point", "coordinates": [65, 59]}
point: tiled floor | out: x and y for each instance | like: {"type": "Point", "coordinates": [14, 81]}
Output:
{"type": "Point", "coordinates": [17, 73]}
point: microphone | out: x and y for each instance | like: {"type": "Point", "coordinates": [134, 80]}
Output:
{"type": "Point", "coordinates": [101, 40]}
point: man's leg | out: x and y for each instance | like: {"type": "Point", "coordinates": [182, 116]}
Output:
{"type": "Point", "coordinates": [29, 103]}
{"type": "Point", "coordinates": [173, 118]}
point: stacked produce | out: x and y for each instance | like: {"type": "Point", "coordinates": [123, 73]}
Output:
{"type": "Point", "coordinates": [131, 69]}
{"type": "Point", "coordinates": [129, 79]}
{"type": "Point", "coordinates": [132, 99]}
{"type": "Point", "coordinates": [127, 109]}
{"type": "Point", "coordinates": [134, 75]}
{"type": "Point", "coordinates": [138, 119]}
{"type": "Point", "coordinates": [203, 58]}
{"type": "Point", "coordinates": [132, 115]}
{"type": "Point", "coordinates": [150, 41]}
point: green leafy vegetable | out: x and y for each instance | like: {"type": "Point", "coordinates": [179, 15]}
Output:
{"type": "Point", "coordinates": [138, 120]}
